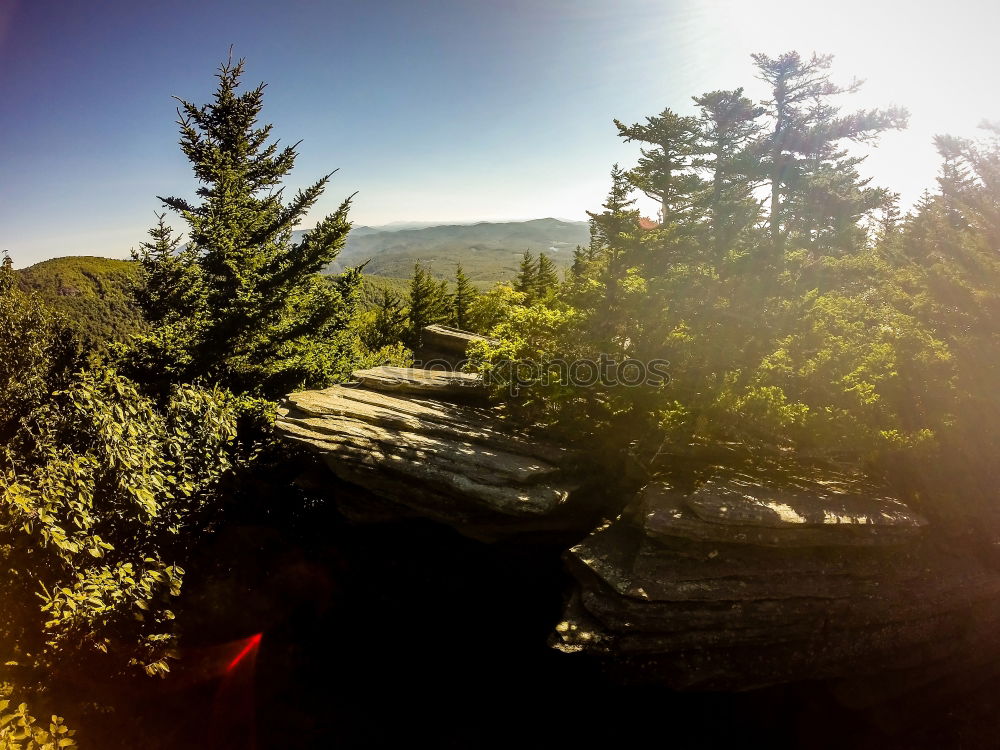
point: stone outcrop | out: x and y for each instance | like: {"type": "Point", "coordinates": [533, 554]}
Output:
{"type": "Point", "coordinates": [450, 340]}
{"type": "Point", "coordinates": [443, 345]}
{"type": "Point", "coordinates": [428, 383]}
{"type": "Point", "coordinates": [741, 585]}
{"type": "Point", "coordinates": [412, 439]}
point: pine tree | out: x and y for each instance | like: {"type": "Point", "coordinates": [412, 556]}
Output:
{"type": "Point", "coordinates": [579, 273]}
{"type": "Point", "coordinates": [613, 235]}
{"type": "Point", "coordinates": [167, 271]}
{"type": "Point", "coordinates": [465, 294]}
{"type": "Point", "coordinates": [613, 230]}
{"type": "Point", "coordinates": [546, 277]}
{"type": "Point", "coordinates": [730, 124]}
{"type": "Point", "coordinates": [389, 324]}
{"type": "Point", "coordinates": [428, 303]}
{"type": "Point", "coordinates": [817, 196]}
{"type": "Point", "coordinates": [580, 261]}
{"type": "Point", "coordinates": [525, 281]}
{"type": "Point", "coordinates": [243, 306]}
{"type": "Point", "coordinates": [664, 170]}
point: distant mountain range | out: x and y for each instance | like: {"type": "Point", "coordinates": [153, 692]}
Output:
{"type": "Point", "coordinates": [488, 251]}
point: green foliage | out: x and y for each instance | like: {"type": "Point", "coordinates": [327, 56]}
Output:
{"type": "Point", "coordinates": [464, 296]}
{"type": "Point", "coordinates": [492, 307]}
{"type": "Point", "coordinates": [536, 278]}
{"type": "Point", "coordinates": [852, 373]}
{"type": "Point", "coordinates": [525, 282]}
{"type": "Point", "coordinates": [166, 269]}
{"type": "Point", "coordinates": [730, 125]}
{"type": "Point", "coordinates": [817, 196]}
{"type": "Point", "coordinates": [97, 493]}
{"type": "Point", "coordinates": [537, 334]}
{"type": "Point", "coordinates": [387, 323]}
{"type": "Point", "coordinates": [20, 730]}
{"type": "Point", "coordinates": [786, 333]}
{"type": "Point", "coordinates": [672, 143]}
{"type": "Point", "coordinates": [947, 266]}
{"type": "Point", "coordinates": [429, 303]}
{"type": "Point", "coordinates": [546, 277]}
{"type": "Point", "coordinates": [372, 288]}
{"type": "Point", "coordinates": [241, 305]}
{"type": "Point", "coordinates": [38, 350]}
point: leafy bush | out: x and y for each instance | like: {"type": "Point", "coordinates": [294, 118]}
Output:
{"type": "Point", "coordinates": [98, 491]}
{"type": "Point", "coordinates": [20, 730]}
{"type": "Point", "coordinates": [37, 352]}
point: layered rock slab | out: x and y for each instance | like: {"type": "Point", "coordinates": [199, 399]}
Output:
{"type": "Point", "coordinates": [449, 340]}
{"type": "Point", "coordinates": [451, 462]}
{"type": "Point", "coordinates": [742, 585]}
{"type": "Point", "coordinates": [432, 384]}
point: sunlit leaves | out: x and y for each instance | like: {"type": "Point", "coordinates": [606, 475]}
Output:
{"type": "Point", "coordinates": [97, 489]}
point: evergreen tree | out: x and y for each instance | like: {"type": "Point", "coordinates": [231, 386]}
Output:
{"type": "Point", "coordinates": [428, 303]}
{"type": "Point", "coordinates": [613, 235]}
{"type": "Point", "coordinates": [822, 354]}
{"type": "Point", "coordinates": [525, 281]}
{"type": "Point", "coordinates": [546, 277]}
{"type": "Point", "coordinates": [388, 325]}
{"type": "Point", "coordinates": [465, 295]}
{"type": "Point", "coordinates": [664, 170]}
{"type": "Point", "coordinates": [816, 194]}
{"type": "Point", "coordinates": [730, 124]}
{"type": "Point", "coordinates": [613, 230]}
{"type": "Point", "coordinates": [167, 271]}
{"type": "Point", "coordinates": [946, 257]}
{"type": "Point", "coordinates": [243, 306]}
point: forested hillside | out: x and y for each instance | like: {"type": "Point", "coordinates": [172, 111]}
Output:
{"type": "Point", "coordinates": [95, 294]}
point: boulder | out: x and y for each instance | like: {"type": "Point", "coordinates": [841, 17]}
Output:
{"type": "Point", "coordinates": [737, 511]}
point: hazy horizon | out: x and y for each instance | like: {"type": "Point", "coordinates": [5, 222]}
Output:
{"type": "Point", "coordinates": [392, 226]}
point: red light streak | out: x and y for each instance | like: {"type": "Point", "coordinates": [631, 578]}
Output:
{"type": "Point", "coordinates": [251, 645]}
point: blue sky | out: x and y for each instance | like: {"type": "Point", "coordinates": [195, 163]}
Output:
{"type": "Point", "coordinates": [432, 109]}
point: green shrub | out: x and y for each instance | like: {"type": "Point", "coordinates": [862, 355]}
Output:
{"type": "Point", "coordinates": [97, 493]}
{"type": "Point", "coordinates": [20, 730]}
{"type": "Point", "coordinates": [37, 352]}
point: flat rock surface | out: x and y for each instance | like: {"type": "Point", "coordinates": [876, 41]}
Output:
{"type": "Point", "coordinates": [744, 502]}
{"type": "Point", "coordinates": [430, 383]}
{"type": "Point", "coordinates": [451, 462]}
{"type": "Point", "coordinates": [737, 515]}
